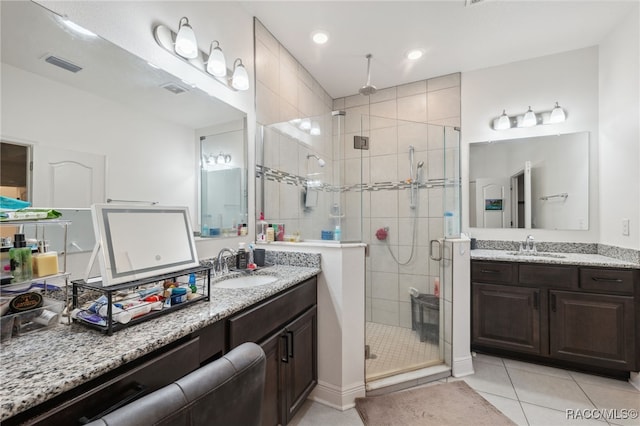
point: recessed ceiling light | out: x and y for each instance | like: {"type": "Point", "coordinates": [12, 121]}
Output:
{"type": "Point", "coordinates": [320, 37]}
{"type": "Point", "coordinates": [415, 54]}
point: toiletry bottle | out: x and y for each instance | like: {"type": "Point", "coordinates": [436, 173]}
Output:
{"type": "Point", "coordinates": [244, 230]}
{"type": "Point", "coordinates": [261, 231]}
{"type": "Point", "coordinates": [20, 257]}
{"type": "Point", "coordinates": [337, 233]}
{"type": "Point", "coordinates": [241, 257]}
{"type": "Point", "coordinates": [45, 262]}
{"type": "Point", "coordinates": [271, 234]}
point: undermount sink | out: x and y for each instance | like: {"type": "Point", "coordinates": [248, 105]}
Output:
{"type": "Point", "coordinates": [246, 281]}
{"type": "Point", "coordinates": [536, 254]}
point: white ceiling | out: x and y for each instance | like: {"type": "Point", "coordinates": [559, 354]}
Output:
{"type": "Point", "coordinates": [455, 37]}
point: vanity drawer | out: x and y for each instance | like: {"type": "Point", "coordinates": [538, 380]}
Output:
{"type": "Point", "coordinates": [607, 280]}
{"type": "Point", "coordinates": [256, 323]}
{"type": "Point", "coordinates": [493, 272]}
{"type": "Point", "coordinates": [548, 275]}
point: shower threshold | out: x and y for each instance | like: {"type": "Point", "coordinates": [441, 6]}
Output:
{"type": "Point", "coordinates": [407, 380]}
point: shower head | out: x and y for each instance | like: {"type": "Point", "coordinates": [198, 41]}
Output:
{"type": "Point", "coordinates": [368, 89]}
{"type": "Point", "coordinates": [420, 164]}
{"type": "Point", "coordinates": [321, 162]}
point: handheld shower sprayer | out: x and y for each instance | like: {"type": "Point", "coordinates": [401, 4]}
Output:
{"type": "Point", "coordinates": [321, 162]}
{"type": "Point", "coordinates": [420, 164]}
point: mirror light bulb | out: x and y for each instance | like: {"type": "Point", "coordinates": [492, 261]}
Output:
{"type": "Point", "coordinates": [529, 119]}
{"type": "Point", "coordinates": [186, 44]}
{"type": "Point", "coordinates": [216, 64]}
{"type": "Point", "coordinates": [240, 78]}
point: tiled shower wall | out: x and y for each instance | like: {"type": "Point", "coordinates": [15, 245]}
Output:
{"type": "Point", "coordinates": [285, 91]}
{"type": "Point", "coordinates": [398, 117]}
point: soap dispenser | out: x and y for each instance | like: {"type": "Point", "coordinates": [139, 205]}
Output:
{"type": "Point", "coordinates": [242, 257]}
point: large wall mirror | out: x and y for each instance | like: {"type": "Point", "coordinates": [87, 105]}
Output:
{"type": "Point", "coordinates": [117, 107]}
{"type": "Point", "coordinates": [539, 182]}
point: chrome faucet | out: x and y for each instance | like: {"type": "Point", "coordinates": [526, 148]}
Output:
{"type": "Point", "coordinates": [222, 265]}
{"type": "Point", "coordinates": [530, 244]}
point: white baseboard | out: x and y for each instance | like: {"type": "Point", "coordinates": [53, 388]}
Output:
{"type": "Point", "coordinates": [462, 366]}
{"type": "Point", "coordinates": [339, 398]}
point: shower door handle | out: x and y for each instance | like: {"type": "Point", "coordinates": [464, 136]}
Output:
{"type": "Point", "coordinates": [431, 251]}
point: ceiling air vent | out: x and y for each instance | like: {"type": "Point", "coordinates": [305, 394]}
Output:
{"type": "Point", "coordinates": [174, 88]}
{"type": "Point", "coordinates": [62, 63]}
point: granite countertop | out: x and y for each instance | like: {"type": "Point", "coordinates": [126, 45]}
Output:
{"type": "Point", "coordinates": [579, 259]}
{"type": "Point", "coordinates": [40, 366]}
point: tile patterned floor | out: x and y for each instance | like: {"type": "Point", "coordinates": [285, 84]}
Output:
{"type": "Point", "coordinates": [528, 394]}
{"type": "Point", "coordinates": [396, 348]}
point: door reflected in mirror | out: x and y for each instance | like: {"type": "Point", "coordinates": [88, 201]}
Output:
{"type": "Point", "coordinates": [223, 179]}
{"type": "Point", "coordinates": [539, 182]}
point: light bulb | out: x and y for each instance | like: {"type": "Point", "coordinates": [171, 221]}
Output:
{"type": "Point", "coordinates": [216, 64]}
{"type": "Point", "coordinates": [529, 119]}
{"type": "Point", "coordinates": [240, 78]}
{"type": "Point", "coordinates": [557, 115]}
{"type": "Point", "coordinates": [503, 122]}
{"type": "Point", "coordinates": [186, 44]}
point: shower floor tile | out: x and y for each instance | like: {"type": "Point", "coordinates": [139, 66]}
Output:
{"type": "Point", "coordinates": [396, 349]}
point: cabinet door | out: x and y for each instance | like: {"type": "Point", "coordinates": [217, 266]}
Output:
{"type": "Point", "coordinates": [506, 317]}
{"type": "Point", "coordinates": [592, 329]}
{"type": "Point", "coordinates": [272, 413]}
{"type": "Point", "coordinates": [301, 362]}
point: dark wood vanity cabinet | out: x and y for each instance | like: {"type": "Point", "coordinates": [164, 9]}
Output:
{"type": "Point", "coordinates": [286, 328]}
{"type": "Point", "coordinates": [592, 328]}
{"type": "Point", "coordinates": [512, 323]}
{"type": "Point", "coordinates": [585, 316]}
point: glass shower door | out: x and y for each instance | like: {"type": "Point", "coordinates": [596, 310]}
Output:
{"type": "Point", "coordinates": [406, 189]}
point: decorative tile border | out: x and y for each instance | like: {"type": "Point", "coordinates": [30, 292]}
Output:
{"type": "Point", "coordinates": [280, 176]}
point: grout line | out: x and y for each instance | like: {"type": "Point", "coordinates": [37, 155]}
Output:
{"type": "Point", "coordinates": [515, 391]}
{"type": "Point", "coordinates": [588, 397]}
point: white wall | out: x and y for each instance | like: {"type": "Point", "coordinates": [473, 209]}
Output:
{"type": "Point", "coordinates": [619, 150]}
{"type": "Point", "coordinates": [571, 78]}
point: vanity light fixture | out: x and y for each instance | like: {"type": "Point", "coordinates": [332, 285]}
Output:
{"type": "Point", "coordinates": [216, 64]}
{"type": "Point", "coordinates": [183, 45]}
{"type": "Point", "coordinates": [186, 44]}
{"type": "Point", "coordinates": [240, 77]}
{"type": "Point", "coordinates": [529, 119]}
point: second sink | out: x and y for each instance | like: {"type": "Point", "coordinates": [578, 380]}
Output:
{"type": "Point", "coordinates": [246, 281]}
